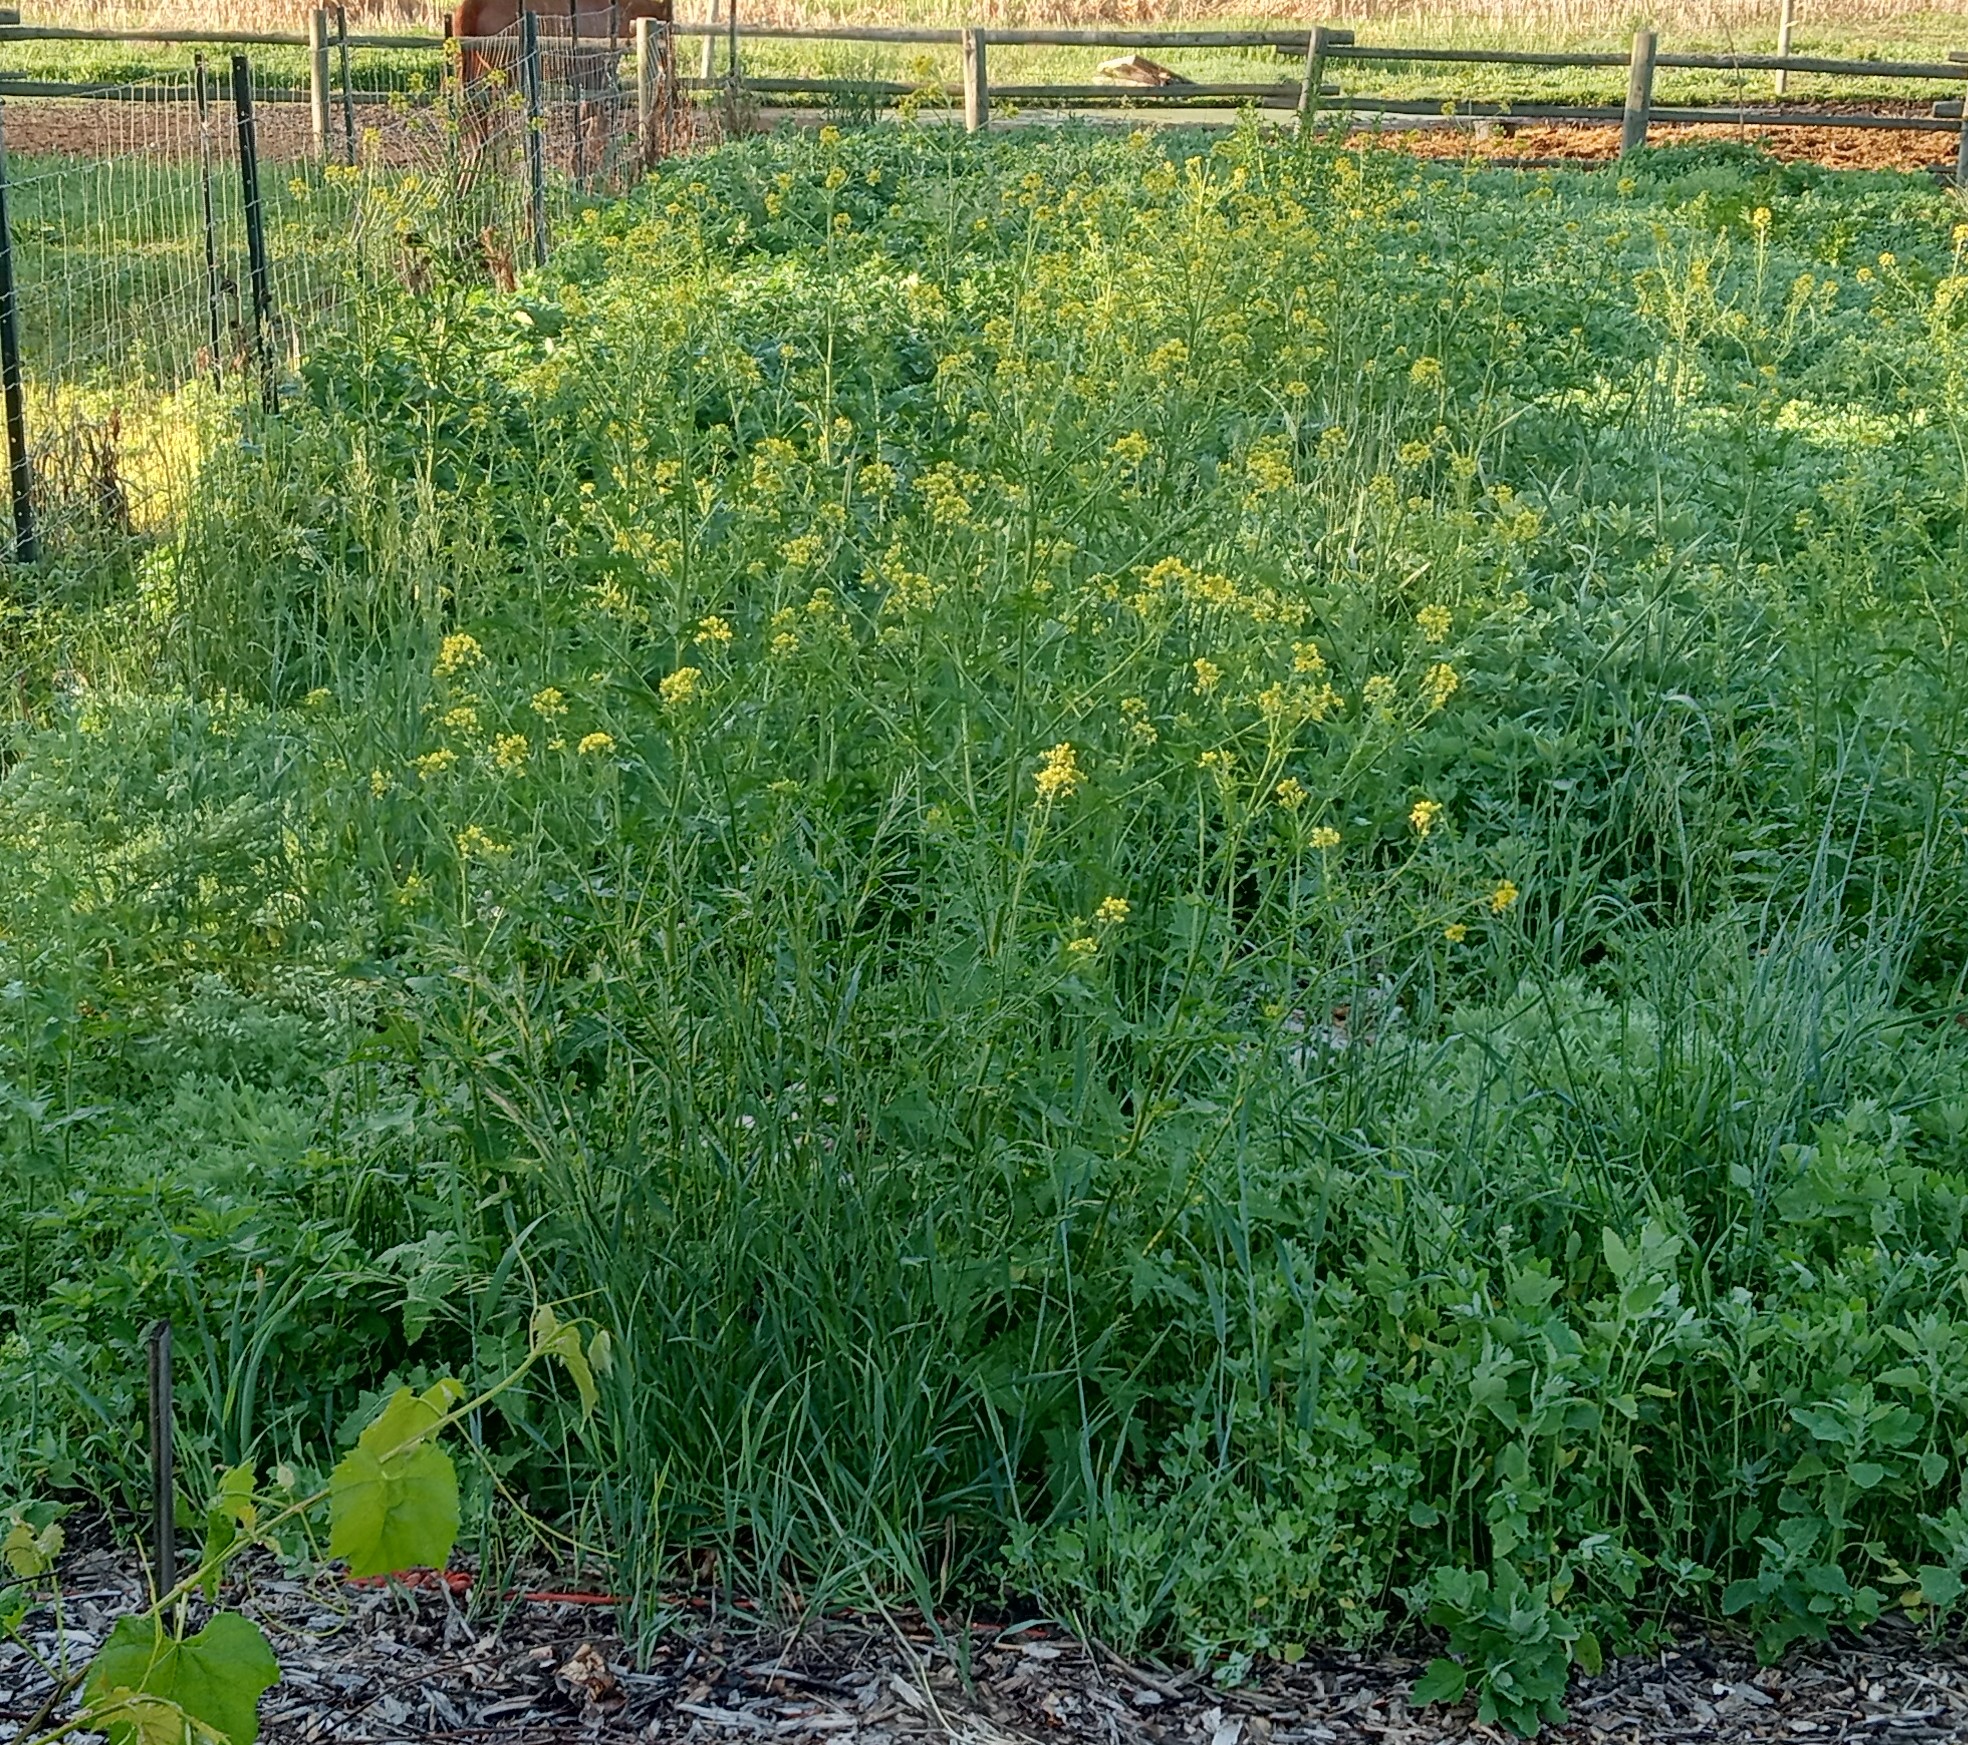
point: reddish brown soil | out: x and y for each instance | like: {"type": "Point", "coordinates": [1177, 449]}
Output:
{"type": "Point", "coordinates": [1837, 148]}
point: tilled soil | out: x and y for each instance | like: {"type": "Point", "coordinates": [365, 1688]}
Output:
{"type": "Point", "coordinates": [1836, 148]}
{"type": "Point", "coordinates": [379, 1666]}
{"type": "Point", "coordinates": [404, 139]}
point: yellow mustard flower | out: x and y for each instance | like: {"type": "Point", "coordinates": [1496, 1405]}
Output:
{"type": "Point", "coordinates": [1208, 673]}
{"type": "Point", "coordinates": [549, 704]}
{"type": "Point", "coordinates": [1324, 837]}
{"type": "Point", "coordinates": [594, 744]}
{"type": "Point", "coordinates": [680, 687]}
{"type": "Point", "coordinates": [458, 653]}
{"type": "Point", "coordinates": [1112, 911]}
{"type": "Point", "coordinates": [1455, 933]}
{"type": "Point", "coordinates": [475, 844]}
{"type": "Point", "coordinates": [1291, 793]}
{"type": "Point", "coordinates": [1059, 774]}
{"type": "Point", "coordinates": [1503, 897]}
{"type": "Point", "coordinates": [713, 630]}
{"type": "Point", "coordinates": [1441, 683]}
{"type": "Point", "coordinates": [509, 752]}
{"type": "Point", "coordinates": [1435, 622]}
{"type": "Point", "coordinates": [435, 762]}
{"type": "Point", "coordinates": [1422, 815]}
{"type": "Point", "coordinates": [379, 782]}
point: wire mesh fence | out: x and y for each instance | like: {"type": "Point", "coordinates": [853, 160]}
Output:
{"type": "Point", "coordinates": [178, 242]}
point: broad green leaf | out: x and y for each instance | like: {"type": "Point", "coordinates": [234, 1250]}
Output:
{"type": "Point", "coordinates": [1444, 1682]}
{"type": "Point", "coordinates": [1619, 1257]}
{"type": "Point", "coordinates": [1587, 1652]}
{"type": "Point", "coordinates": [216, 1678]}
{"type": "Point", "coordinates": [235, 1496]}
{"type": "Point", "coordinates": [29, 1553]}
{"type": "Point", "coordinates": [1938, 1586]}
{"type": "Point", "coordinates": [126, 1714]}
{"type": "Point", "coordinates": [1739, 1595]}
{"type": "Point", "coordinates": [393, 1498]}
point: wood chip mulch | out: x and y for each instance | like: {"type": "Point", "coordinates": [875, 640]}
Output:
{"type": "Point", "coordinates": [398, 1665]}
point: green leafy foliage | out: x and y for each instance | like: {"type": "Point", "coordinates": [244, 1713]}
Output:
{"type": "Point", "coordinates": [146, 1683]}
{"type": "Point", "coordinates": [1210, 883]}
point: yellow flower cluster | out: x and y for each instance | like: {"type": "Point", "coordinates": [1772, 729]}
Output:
{"type": "Point", "coordinates": [1440, 684]}
{"type": "Point", "coordinates": [1112, 911]}
{"type": "Point", "coordinates": [458, 653]}
{"type": "Point", "coordinates": [680, 687]}
{"type": "Point", "coordinates": [1435, 622]}
{"type": "Point", "coordinates": [1059, 774]}
{"type": "Point", "coordinates": [1423, 814]}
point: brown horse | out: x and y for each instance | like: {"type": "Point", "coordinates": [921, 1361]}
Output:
{"type": "Point", "coordinates": [588, 29]}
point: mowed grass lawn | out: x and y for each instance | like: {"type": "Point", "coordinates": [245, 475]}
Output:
{"type": "Point", "coordinates": [1206, 882]}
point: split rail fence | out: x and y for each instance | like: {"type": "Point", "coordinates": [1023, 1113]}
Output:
{"type": "Point", "coordinates": [155, 278]}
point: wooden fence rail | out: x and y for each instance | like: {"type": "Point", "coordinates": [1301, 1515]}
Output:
{"type": "Point", "coordinates": [1322, 48]}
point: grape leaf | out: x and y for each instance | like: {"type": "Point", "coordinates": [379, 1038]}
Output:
{"type": "Point", "coordinates": [29, 1553]}
{"type": "Point", "coordinates": [562, 1339]}
{"type": "Point", "coordinates": [393, 1498]}
{"type": "Point", "coordinates": [144, 1677]}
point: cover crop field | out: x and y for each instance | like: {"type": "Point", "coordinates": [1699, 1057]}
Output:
{"type": "Point", "coordinates": [1217, 886]}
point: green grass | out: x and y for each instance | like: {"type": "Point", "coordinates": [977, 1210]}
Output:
{"type": "Point", "coordinates": [1924, 36]}
{"type": "Point", "coordinates": [1208, 884]}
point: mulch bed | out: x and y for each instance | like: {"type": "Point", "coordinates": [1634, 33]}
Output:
{"type": "Point", "coordinates": [377, 1666]}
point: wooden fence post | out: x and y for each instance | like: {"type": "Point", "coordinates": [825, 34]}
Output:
{"type": "Point", "coordinates": [976, 81]}
{"type": "Point", "coordinates": [1961, 139]}
{"type": "Point", "coordinates": [317, 32]}
{"type": "Point", "coordinates": [1785, 19]}
{"type": "Point", "coordinates": [708, 65]}
{"type": "Point", "coordinates": [648, 69]}
{"type": "Point", "coordinates": [1316, 49]}
{"type": "Point", "coordinates": [348, 93]}
{"type": "Point", "coordinates": [1639, 92]}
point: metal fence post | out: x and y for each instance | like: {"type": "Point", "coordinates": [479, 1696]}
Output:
{"type": "Point", "coordinates": [261, 301]}
{"type": "Point", "coordinates": [317, 35]}
{"type": "Point", "coordinates": [215, 326]}
{"type": "Point", "coordinates": [20, 463]}
{"type": "Point", "coordinates": [163, 1475]}
{"type": "Point", "coordinates": [1639, 93]}
{"type": "Point", "coordinates": [536, 145]}
{"type": "Point", "coordinates": [976, 80]}
{"type": "Point", "coordinates": [348, 94]}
